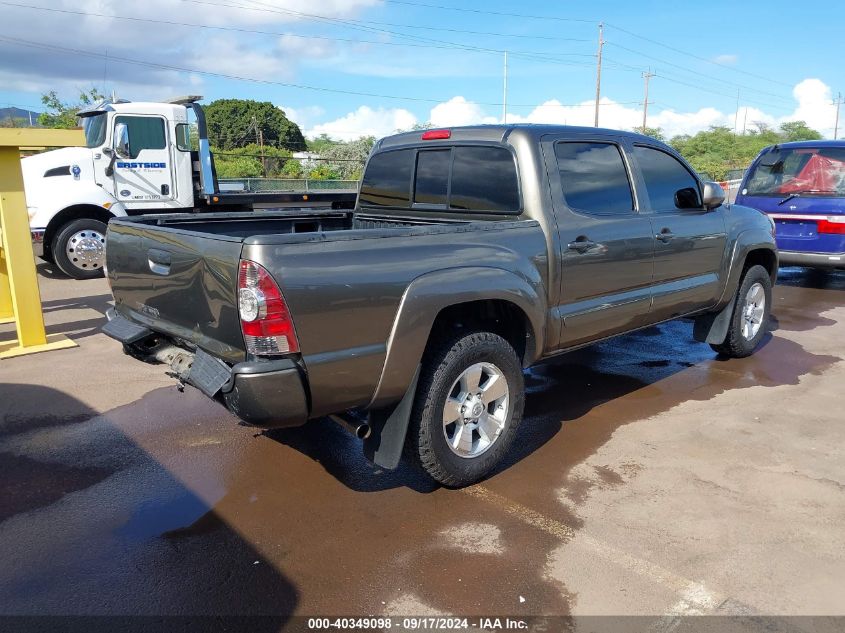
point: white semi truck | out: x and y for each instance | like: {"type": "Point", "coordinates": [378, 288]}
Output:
{"type": "Point", "coordinates": [139, 159]}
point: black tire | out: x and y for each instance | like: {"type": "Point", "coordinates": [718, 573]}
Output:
{"type": "Point", "coordinates": [77, 268]}
{"type": "Point", "coordinates": [426, 443]}
{"type": "Point", "coordinates": [736, 345]}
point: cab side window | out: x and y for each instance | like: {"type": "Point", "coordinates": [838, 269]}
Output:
{"type": "Point", "coordinates": [145, 132]}
{"type": "Point", "coordinates": [669, 184]}
{"type": "Point", "coordinates": [594, 178]}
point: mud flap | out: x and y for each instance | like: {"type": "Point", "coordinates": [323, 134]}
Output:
{"type": "Point", "coordinates": [713, 328]}
{"type": "Point", "coordinates": [387, 439]}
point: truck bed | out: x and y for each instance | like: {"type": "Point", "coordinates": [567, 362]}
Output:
{"type": "Point", "coordinates": [342, 273]}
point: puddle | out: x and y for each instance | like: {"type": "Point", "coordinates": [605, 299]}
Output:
{"type": "Point", "coordinates": [29, 484]}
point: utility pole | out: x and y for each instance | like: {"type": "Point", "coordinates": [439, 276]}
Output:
{"type": "Point", "coordinates": [646, 75]}
{"type": "Point", "coordinates": [736, 115]}
{"type": "Point", "coordinates": [260, 135]}
{"type": "Point", "coordinates": [598, 73]}
{"type": "Point", "coordinates": [837, 103]}
{"type": "Point", "coordinates": [505, 97]}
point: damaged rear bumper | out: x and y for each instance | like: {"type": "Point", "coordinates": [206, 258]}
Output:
{"type": "Point", "coordinates": [265, 393]}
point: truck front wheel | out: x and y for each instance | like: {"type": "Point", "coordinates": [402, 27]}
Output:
{"type": "Point", "coordinates": [79, 248]}
{"type": "Point", "coordinates": [750, 316]}
{"type": "Point", "coordinates": [468, 407]}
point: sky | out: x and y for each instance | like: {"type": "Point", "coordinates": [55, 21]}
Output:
{"type": "Point", "coordinates": [349, 68]}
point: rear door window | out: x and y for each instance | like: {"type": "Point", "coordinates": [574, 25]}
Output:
{"type": "Point", "coordinates": [484, 180]}
{"type": "Point", "coordinates": [387, 181]}
{"type": "Point", "coordinates": [594, 178]}
{"type": "Point", "coordinates": [669, 184]}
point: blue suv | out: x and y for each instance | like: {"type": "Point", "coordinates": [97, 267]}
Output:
{"type": "Point", "coordinates": [801, 186]}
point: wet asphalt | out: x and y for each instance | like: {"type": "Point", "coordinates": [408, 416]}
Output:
{"type": "Point", "coordinates": [120, 494]}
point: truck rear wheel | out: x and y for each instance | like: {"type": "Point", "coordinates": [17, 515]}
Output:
{"type": "Point", "coordinates": [79, 248]}
{"type": "Point", "coordinates": [750, 316]}
{"type": "Point", "coordinates": [468, 407]}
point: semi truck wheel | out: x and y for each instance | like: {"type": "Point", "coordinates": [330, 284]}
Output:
{"type": "Point", "coordinates": [750, 316]}
{"type": "Point", "coordinates": [79, 248]}
{"type": "Point", "coordinates": [468, 407]}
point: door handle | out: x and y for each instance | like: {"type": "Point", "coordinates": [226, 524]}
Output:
{"type": "Point", "coordinates": [581, 245]}
{"type": "Point", "coordinates": [665, 235]}
{"type": "Point", "coordinates": [159, 261]}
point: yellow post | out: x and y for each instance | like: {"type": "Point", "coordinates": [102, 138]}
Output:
{"type": "Point", "coordinates": [19, 295]}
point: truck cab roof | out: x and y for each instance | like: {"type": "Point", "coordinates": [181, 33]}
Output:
{"type": "Point", "coordinates": [500, 132]}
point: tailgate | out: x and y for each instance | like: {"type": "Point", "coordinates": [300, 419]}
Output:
{"type": "Point", "coordinates": [178, 282]}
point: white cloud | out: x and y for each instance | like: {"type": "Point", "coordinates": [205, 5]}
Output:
{"type": "Point", "coordinates": [304, 117]}
{"type": "Point", "coordinates": [458, 111]}
{"type": "Point", "coordinates": [366, 121]}
{"type": "Point", "coordinates": [726, 59]}
{"type": "Point", "coordinates": [812, 95]}
{"type": "Point", "coordinates": [37, 69]}
{"type": "Point", "coordinates": [814, 105]}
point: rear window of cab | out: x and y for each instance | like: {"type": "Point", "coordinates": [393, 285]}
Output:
{"type": "Point", "coordinates": [469, 178]}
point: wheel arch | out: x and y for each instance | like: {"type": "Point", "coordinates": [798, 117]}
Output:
{"type": "Point", "coordinates": [438, 302]}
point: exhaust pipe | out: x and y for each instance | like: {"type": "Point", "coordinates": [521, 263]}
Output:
{"type": "Point", "coordinates": [360, 429]}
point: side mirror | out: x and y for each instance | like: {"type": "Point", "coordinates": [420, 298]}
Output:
{"type": "Point", "coordinates": [714, 195]}
{"type": "Point", "coordinates": [121, 140]}
{"type": "Point", "coordinates": [687, 198]}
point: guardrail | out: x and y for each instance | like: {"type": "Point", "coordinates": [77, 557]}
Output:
{"type": "Point", "coordinates": [273, 185]}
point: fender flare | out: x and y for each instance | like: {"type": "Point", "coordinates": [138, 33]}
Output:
{"type": "Point", "coordinates": [745, 242]}
{"type": "Point", "coordinates": [713, 327]}
{"type": "Point", "coordinates": [427, 296]}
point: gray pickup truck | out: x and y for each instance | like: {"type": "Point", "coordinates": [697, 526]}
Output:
{"type": "Point", "coordinates": [471, 253]}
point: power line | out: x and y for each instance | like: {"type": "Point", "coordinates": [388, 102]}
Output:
{"type": "Point", "coordinates": [698, 74]}
{"type": "Point", "coordinates": [444, 46]}
{"type": "Point", "coordinates": [487, 12]}
{"type": "Point", "coordinates": [703, 59]}
{"type": "Point", "coordinates": [149, 64]}
{"type": "Point", "coordinates": [361, 26]}
{"type": "Point", "coordinates": [673, 79]}
{"type": "Point", "coordinates": [363, 23]}
{"type": "Point", "coordinates": [613, 26]}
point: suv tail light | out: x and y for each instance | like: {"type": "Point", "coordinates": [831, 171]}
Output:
{"type": "Point", "coordinates": [265, 318]}
{"type": "Point", "coordinates": [833, 224]}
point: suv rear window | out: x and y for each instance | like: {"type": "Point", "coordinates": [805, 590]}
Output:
{"type": "Point", "coordinates": [464, 178]}
{"type": "Point", "coordinates": [805, 171]}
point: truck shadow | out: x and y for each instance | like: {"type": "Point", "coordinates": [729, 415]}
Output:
{"type": "Point", "coordinates": [93, 525]}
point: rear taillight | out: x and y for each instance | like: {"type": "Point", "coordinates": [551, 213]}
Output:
{"type": "Point", "coordinates": [833, 224]}
{"type": "Point", "coordinates": [265, 319]}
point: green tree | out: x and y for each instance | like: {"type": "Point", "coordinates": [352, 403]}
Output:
{"type": "Point", "coordinates": [798, 131]}
{"type": "Point", "coordinates": [321, 143]}
{"type": "Point", "coordinates": [292, 169]}
{"type": "Point", "coordinates": [234, 123]}
{"type": "Point", "coordinates": [273, 161]}
{"type": "Point", "coordinates": [323, 172]}
{"type": "Point", "coordinates": [238, 167]}
{"type": "Point", "coordinates": [653, 132]}
{"type": "Point", "coordinates": [719, 150]}
{"type": "Point", "coordinates": [60, 114]}
{"type": "Point", "coordinates": [347, 159]}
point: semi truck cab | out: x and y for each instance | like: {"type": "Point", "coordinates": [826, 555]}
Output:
{"type": "Point", "coordinates": [139, 158]}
